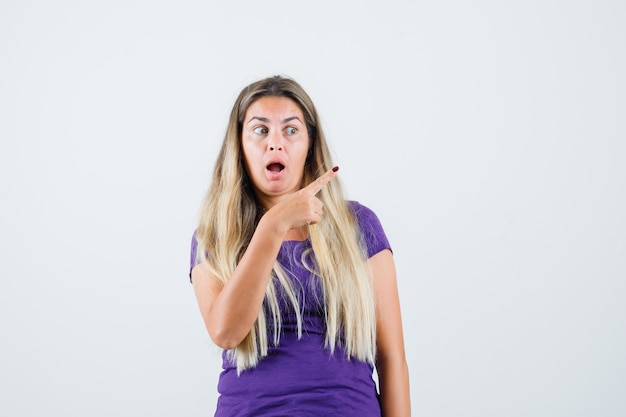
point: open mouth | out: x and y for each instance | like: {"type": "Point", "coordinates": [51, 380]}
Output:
{"type": "Point", "coordinates": [275, 167]}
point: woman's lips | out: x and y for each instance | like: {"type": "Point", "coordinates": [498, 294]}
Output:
{"type": "Point", "coordinates": [275, 170]}
{"type": "Point", "coordinates": [275, 167]}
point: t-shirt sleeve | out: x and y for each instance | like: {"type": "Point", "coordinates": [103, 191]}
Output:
{"type": "Point", "coordinates": [193, 259]}
{"type": "Point", "coordinates": [373, 233]}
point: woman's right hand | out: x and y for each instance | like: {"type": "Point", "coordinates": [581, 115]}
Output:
{"type": "Point", "coordinates": [302, 207]}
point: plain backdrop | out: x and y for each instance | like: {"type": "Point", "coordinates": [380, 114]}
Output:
{"type": "Point", "coordinates": [488, 136]}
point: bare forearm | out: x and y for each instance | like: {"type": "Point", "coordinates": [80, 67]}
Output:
{"type": "Point", "coordinates": [235, 310]}
{"type": "Point", "coordinates": [395, 394]}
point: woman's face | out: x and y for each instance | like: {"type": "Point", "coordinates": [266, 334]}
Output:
{"type": "Point", "coordinates": [275, 144]}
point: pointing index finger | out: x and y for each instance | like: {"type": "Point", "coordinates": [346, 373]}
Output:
{"type": "Point", "coordinates": [321, 181]}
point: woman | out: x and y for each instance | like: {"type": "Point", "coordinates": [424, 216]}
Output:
{"type": "Point", "coordinates": [296, 284]}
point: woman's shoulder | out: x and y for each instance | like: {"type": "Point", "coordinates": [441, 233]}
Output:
{"type": "Point", "coordinates": [371, 229]}
{"type": "Point", "coordinates": [359, 209]}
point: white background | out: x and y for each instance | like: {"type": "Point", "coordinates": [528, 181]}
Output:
{"type": "Point", "coordinates": [488, 136]}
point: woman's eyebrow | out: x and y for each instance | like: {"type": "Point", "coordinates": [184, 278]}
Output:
{"type": "Point", "coordinates": [288, 119]}
{"type": "Point", "coordinates": [262, 119]}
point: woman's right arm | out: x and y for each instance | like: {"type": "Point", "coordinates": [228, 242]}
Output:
{"type": "Point", "coordinates": [230, 310]}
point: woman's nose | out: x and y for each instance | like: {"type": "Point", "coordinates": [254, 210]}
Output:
{"type": "Point", "coordinates": [275, 143]}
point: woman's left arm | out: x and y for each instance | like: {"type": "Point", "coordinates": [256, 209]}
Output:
{"type": "Point", "coordinates": [393, 372]}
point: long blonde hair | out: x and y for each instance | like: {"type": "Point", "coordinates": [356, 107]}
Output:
{"type": "Point", "coordinates": [229, 217]}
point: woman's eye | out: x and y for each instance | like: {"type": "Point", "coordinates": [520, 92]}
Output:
{"type": "Point", "coordinates": [260, 130]}
{"type": "Point", "coordinates": [291, 130]}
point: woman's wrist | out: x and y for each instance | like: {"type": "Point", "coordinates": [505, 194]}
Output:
{"type": "Point", "coordinates": [271, 224]}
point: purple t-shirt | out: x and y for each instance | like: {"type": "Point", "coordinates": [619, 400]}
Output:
{"type": "Point", "coordinates": [300, 377]}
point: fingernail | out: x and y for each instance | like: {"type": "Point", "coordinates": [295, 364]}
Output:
{"type": "Point", "coordinates": [335, 169]}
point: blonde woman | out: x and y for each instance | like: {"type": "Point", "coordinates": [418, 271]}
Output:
{"type": "Point", "coordinates": [296, 284]}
